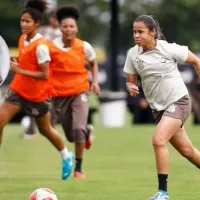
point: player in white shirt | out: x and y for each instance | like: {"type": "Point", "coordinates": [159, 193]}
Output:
{"type": "Point", "coordinates": [155, 61]}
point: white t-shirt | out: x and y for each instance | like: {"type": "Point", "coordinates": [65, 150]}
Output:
{"type": "Point", "coordinates": [88, 49]}
{"type": "Point", "coordinates": [161, 81]}
{"type": "Point", "coordinates": [42, 51]}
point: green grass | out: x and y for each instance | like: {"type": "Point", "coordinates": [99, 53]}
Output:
{"type": "Point", "coordinates": [120, 166]}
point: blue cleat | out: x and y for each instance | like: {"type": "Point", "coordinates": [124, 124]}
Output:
{"type": "Point", "coordinates": [160, 195]}
{"type": "Point", "coordinates": [67, 166]}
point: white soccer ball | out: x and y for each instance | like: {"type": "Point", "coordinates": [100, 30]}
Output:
{"type": "Point", "coordinates": [43, 194]}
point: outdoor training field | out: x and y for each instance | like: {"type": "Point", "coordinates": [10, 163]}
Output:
{"type": "Point", "coordinates": [120, 166]}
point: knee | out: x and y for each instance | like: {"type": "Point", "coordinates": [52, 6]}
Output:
{"type": "Point", "coordinates": [44, 130]}
{"type": "Point", "coordinates": [158, 142]}
{"type": "Point", "coordinates": [70, 138]}
{"type": "Point", "coordinates": [79, 135]}
{"type": "Point", "coordinates": [186, 152]}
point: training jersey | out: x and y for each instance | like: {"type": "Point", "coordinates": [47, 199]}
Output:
{"type": "Point", "coordinates": [68, 65]}
{"type": "Point", "coordinates": [161, 80]}
{"type": "Point", "coordinates": [31, 54]}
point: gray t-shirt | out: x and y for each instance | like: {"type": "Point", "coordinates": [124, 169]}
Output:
{"type": "Point", "coordinates": [161, 81]}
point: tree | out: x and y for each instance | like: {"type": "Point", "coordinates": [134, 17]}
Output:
{"type": "Point", "coordinates": [179, 20]}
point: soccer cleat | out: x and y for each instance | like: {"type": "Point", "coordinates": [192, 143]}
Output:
{"type": "Point", "coordinates": [79, 175]}
{"type": "Point", "coordinates": [88, 142]}
{"type": "Point", "coordinates": [160, 195]}
{"type": "Point", "coordinates": [67, 165]}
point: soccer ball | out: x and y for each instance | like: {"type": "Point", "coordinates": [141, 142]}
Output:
{"type": "Point", "coordinates": [43, 194]}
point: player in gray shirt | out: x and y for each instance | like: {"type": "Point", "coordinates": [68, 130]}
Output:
{"type": "Point", "coordinates": [155, 61]}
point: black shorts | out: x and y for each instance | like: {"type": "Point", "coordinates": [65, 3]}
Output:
{"type": "Point", "coordinates": [33, 109]}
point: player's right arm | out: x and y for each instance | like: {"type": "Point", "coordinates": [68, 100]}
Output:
{"type": "Point", "coordinates": [131, 81]}
{"type": "Point", "coordinates": [131, 84]}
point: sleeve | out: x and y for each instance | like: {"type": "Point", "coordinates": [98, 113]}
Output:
{"type": "Point", "coordinates": [129, 66]}
{"type": "Point", "coordinates": [89, 52]}
{"type": "Point", "coordinates": [42, 54]}
{"type": "Point", "coordinates": [178, 52]}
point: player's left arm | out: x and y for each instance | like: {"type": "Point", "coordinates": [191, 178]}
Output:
{"type": "Point", "coordinates": [94, 70]}
{"type": "Point", "coordinates": [91, 59]}
{"type": "Point", "coordinates": [194, 60]}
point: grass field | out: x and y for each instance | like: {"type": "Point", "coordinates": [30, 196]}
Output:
{"type": "Point", "coordinates": [120, 166]}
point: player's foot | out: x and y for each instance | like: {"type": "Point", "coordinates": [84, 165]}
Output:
{"type": "Point", "coordinates": [67, 166]}
{"type": "Point", "coordinates": [79, 175]}
{"type": "Point", "coordinates": [88, 142]}
{"type": "Point", "coordinates": [160, 195]}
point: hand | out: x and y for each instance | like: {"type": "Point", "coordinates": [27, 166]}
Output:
{"type": "Point", "coordinates": [14, 66]}
{"type": "Point", "coordinates": [95, 88]}
{"type": "Point", "coordinates": [132, 89]}
{"type": "Point", "coordinates": [12, 58]}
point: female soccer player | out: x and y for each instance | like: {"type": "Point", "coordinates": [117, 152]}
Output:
{"type": "Point", "coordinates": [70, 80]}
{"type": "Point", "coordinates": [50, 32]}
{"type": "Point", "coordinates": [30, 89]}
{"type": "Point", "coordinates": [155, 61]}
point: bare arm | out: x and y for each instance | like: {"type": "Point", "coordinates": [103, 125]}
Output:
{"type": "Point", "coordinates": [195, 61]}
{"type": "Point", "coordinates": [42, 74]}
{"type": "Point", "coordinates": [94, 70]}
{"type": "Point", "coordinates": [131, 84]}
{"type": "Point", "coordinates": [131, 78]}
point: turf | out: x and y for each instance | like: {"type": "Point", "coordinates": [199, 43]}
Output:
{"type": "Point", "coordinates": [120, 166]}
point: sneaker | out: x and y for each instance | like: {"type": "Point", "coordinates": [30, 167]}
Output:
{"type": "Point", "coordinates": [67, 166]}
{"type": "Point", "coordinates": [79, 175]}
{"type": "Point", "coordinates": [160, 195]}
{"type": "Point", "coordinates": [88, 142]}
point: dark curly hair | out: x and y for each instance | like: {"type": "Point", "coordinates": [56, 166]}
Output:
{"type": "Point", "coordinates": [67, 12]}
{"type": "Point", "coordinates": [35, 8]}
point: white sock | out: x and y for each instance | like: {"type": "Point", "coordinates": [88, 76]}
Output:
{"type": "Point", "coordinates": [64, 153]}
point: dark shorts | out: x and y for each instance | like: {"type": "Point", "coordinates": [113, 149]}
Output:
{"type": "Point", "coordinates": [33, 109]}
{"type": "Point", "coordinates": [179, 110]}
{"type": "Point", "coordinates": [73, 113]}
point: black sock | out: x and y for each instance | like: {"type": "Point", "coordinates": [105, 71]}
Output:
{"type": "Point", "coordinates": [78, 164]}
{"type": "Point", "coordinates": [162, 179]}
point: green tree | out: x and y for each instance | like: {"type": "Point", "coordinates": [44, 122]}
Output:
{"type": "Point", "coordinates": [9, 17]}
{"type": "Point", "coordinates": [179, 20]}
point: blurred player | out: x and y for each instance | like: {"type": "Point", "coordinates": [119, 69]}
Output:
{"type": "Point", "coordinates": [30, 89]}
{"type": "Point", "coordinates": [155, 61]}
{"type": "Point", "coordinates": [70, 79]}
{"type": "Point", "coordinates": [52, 30]}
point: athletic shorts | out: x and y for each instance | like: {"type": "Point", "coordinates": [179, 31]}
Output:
{"type": "Point", "coordinates": [33, 109]}
{"type": "Point", "coordinates": [73, 113]}
{"type": "Point", "coordinates": [180, 109]}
